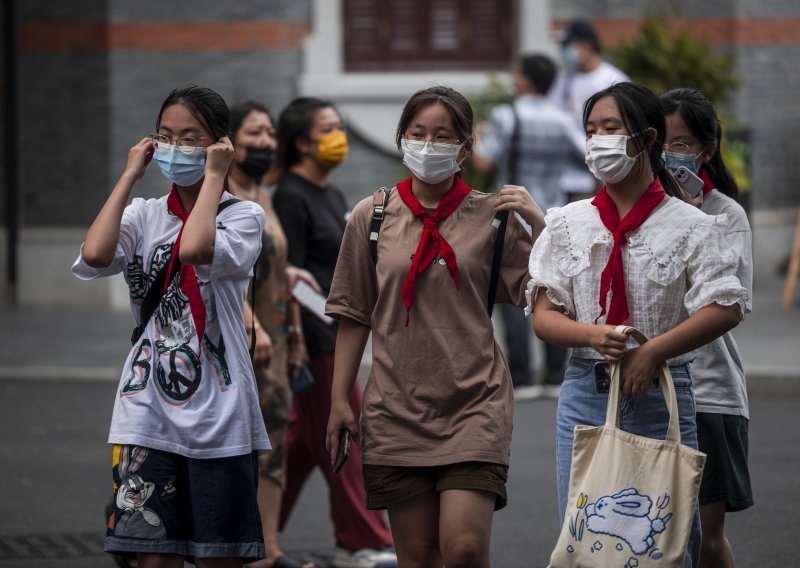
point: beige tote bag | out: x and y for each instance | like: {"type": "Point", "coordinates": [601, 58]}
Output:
{"type": "Point", "coordinates": [631, 498]}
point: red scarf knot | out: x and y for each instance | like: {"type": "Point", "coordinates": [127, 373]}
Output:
{"type": "Point", "coordinates": [431, 242]}
{"type": "Point", "coordinates": [612, 278]}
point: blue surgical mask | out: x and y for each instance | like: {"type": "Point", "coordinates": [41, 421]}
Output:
{"type": "Point", "coordinates": [673, 161]}
{"type": "Point", "coordinates": [179, 168]}
{"type": "Point", "coordinates": [569, 58]}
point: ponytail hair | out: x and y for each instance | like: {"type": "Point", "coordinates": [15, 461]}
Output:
{"type": "Point", "coordinates": [701, 119]}
{"type": "Point", "coordinates": [640, 110]}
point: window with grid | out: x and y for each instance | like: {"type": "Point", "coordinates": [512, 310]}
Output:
{"type": "Point", "coordinates": [427, 35]}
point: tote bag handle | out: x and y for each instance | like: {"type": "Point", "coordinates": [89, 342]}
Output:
{"type": "Point", "coordinates": [665, 380]}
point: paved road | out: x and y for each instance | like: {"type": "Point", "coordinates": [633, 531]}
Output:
{"type": "Point", "coordinates": [54, 481]}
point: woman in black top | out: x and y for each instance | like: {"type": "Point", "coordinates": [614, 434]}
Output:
{"type": "Point", "coordinates": [313, 213]}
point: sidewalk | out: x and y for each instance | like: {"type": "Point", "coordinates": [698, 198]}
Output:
{"type": "Point", "coordinates": [74, 344]}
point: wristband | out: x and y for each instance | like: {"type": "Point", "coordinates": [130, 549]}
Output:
{"type": "Point", "coordinates": [295, 329]}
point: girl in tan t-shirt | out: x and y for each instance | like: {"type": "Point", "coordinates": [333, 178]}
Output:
{"type": "Point", "coordinates": [438, 407]}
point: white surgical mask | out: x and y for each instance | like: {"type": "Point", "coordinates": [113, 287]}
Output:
{"type": "Point", "coordinates": [607, 157]}
{"type": "Point", "coordinates": [179, 168]}
{"type": "Point", "coordinates": [429, 162]}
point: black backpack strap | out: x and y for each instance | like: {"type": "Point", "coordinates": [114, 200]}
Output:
{"type": "Point", "coordinates": [154, 294]}
{"type": "Point", "coordinates": [379, 200]}
{"type": "Point", "coordinates": [500, 221]}
{"type": "Point", "coordinates": [153, 298]}
{"type": "Point", "coordinates": [227, 203]}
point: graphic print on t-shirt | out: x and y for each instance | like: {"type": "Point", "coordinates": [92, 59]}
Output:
{"type": "Point", "coordinates": [139, 279]}
{"type": "Point", "coordinates": [178, 369]}
{"type": "Point", "coordinates": [140, 369]}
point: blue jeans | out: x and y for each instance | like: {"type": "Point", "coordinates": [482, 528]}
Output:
{"type": "Point", "coordinates": [644, 415]}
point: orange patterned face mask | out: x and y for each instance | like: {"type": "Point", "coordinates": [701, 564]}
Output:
{"type": "Point", "coordinates": [332, 148]}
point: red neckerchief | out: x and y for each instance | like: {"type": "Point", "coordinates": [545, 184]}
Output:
{"type": "Point", "coordinates": [707, 185]}
{"type": "Point", "coordinates": [431, 242]}
{"type": "Point", "coordinates": [187, 275]}
{"type": "Point", "coordinates": [613, 276]}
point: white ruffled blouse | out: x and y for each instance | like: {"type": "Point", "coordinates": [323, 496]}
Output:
{"type": "Point", "coordinates": [675, 263]}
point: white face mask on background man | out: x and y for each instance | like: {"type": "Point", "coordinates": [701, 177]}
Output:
{"type": "Point", "coordinates": [607, 157]}
{"type": "Point", "coordinates": [431, 162]}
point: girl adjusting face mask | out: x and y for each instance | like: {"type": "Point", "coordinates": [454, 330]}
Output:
{"type": "Point", "coordinates": [183, 165]}
{"type": "Point", "coordinates": [180, 146]}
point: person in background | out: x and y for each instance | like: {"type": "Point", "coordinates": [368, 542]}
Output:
{"type": "Point", "coordinates": [531, 143]}
{"type": "Point", "coordinates": [186, 427]}
{"type": "Point", "coordinates": [694, 135]}
{"type": "Point", "coordinates": [280, 350]}
{"type": "Point", "coordinates": [313, 214]}
{"type": "Point", "coordinates": [584, 72]}
{"type": "Point", "coordinates": [667, 266]}
{"type": "Point", "coordinates": [438, 408]}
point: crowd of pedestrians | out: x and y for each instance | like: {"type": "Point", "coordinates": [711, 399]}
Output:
{"type": "Point", "coordinates": [234, 392]}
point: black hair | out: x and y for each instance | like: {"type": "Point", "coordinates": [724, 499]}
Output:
{"type": "Point", "coordinates": [640, 109]}
{"type": "Point", "coordinates": [582, 30]}
{"type": "Point", "coordinates": [207, 106]}
{"type": "Point", "coordinates": [700, 117]}
{"type": "Point", "coordinates": [241, 111]}
{"type": "Point", "coordinates": [294, 123]}
{"type": "Point", "coordinates": [540, 70]}
{"type": "Point", "coordinates": [457, 106]}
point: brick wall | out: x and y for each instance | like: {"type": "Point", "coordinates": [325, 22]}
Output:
{"type": "Point", "coordinates": [96, 72]}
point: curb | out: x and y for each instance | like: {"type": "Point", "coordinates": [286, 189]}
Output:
{"type": "Point", "coordinates": [762, 380]}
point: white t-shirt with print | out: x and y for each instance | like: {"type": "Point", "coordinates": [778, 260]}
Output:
{"type": "Point", "coordinates": [172, 395]}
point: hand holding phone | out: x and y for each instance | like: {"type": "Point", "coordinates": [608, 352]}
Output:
{"type": "Point", "coordinates": [689, 181]}
{"type": "Point", "coordinates": [344, 449]}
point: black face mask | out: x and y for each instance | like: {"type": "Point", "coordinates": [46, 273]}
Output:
{"type": "Point", "coordinates": [257, 161]}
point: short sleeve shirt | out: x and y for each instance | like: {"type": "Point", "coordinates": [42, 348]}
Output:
{"type": "Point", "coordinates": [313, 219]}
{"type": "Point", "coordinates": [717, 371]}
{"type": "Point", "coordinates": [180, 393]}
{"type": "Point", "coordinates": [675, 263]}
{"type": "Point", "coordinates": [439, 391]}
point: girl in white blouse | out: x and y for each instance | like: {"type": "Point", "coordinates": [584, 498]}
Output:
{"type": "Point", "coordinates": [635, 254]}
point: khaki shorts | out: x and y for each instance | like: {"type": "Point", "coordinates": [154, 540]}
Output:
{"type": "Point", "coordinates": [389, 485]}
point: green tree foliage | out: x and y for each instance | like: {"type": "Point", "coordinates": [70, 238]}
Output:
{"type": "Point", "coordinates": [663, 57]}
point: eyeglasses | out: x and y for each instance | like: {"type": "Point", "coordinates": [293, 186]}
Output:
{"type": "Point", "coordinates": [679, 147]}
{"type": "Point", "coordinates": [439, 143]}
{"type": "Point", "coordinates": [185, 144]}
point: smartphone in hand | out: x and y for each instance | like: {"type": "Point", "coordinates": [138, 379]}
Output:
{"type": "Point", "coordinates": [689, 181]}
{"type": "Point", "coordinates": [344, 449]}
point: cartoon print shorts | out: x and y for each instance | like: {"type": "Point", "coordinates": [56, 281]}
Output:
{"type": "Point", "coordinates": [168, 503]}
